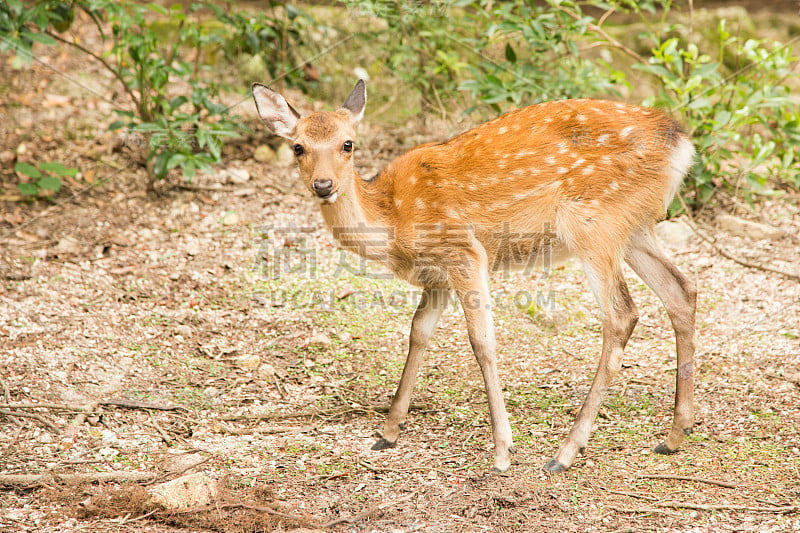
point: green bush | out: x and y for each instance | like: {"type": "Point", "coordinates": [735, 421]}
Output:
{"type": "Point", "coordinates": [743, 123]}
{"type": "Point", "coordinates": [152, 47]}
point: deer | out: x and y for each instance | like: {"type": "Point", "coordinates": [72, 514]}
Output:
{"type": "Point", "coordinates": [581, 178]}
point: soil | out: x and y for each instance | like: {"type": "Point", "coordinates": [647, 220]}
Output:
{"type": "Point", "coordinates": [218, 320]}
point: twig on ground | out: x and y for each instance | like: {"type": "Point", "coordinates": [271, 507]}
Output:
{"type": "Point", "coordinates": [336, 411]}
{"type": "Point", "coordinates": [726, 254]}
{"type": "Point", "coordinates": [379, 469]}
{"type": "Point", "coordinates": [307, 522]}
{"type": "Point", "coordinates": [166, 438]}
{"type": "Point", "coordinates": [138, 404]}
{"type": "Point", "coordinates": [698, 507]}
{"type": "Point", "coordinates": [24, 480]}
{"type": "Point", "coordinates": [364, 514]}
{"type": "Point", "coordinates": [52, 427]}
{"type": "Point", "coordinates": [725, 484]}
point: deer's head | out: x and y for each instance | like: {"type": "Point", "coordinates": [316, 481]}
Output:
{"type": "Point", "coordinates": [322, 141]}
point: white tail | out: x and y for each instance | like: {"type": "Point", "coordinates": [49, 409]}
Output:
{"type": "Point", "coordinates": [583, 178]}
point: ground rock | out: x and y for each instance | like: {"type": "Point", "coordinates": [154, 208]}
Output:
{"type": "Point", "coordinates": [184, 492]}
{"type": "Point", "coordinates": [182, 462]}
{"type": "Point", "coordinates": [747, 228]}
{"type": "Point", "coordinates": [249, 361]}
{"type": "Point", "coordinates": [284, 155]}
{"type": "Point", "coordinates": [674, 233]}
{"type": "Point", "coordinates": [264, 154]}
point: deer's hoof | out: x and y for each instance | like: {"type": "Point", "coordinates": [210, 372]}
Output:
{"type": "Point", "coordinates": [663, 449]}
{"type": "Point", "coordinates": [554, 467]}
{"type": "Point", "coordinates": [383, 444]}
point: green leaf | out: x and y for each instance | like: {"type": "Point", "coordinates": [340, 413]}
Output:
{"type": "Point", "coordinates": [27, 189]}
{"type": "Point", "coordinates": [160, 164]}
{"type": "Point", "coordinates": [53, 166]}
{"type": "Point", "coordinates": [117, 124]}
{"type": "Point", "coordinates": [39, 38]}
{"type": "Point", "coordinates": [511, 56]}
{"type": "Point", "coordinates": [28, 170]}
{"type": "Point", "coordinates": [49, 183]}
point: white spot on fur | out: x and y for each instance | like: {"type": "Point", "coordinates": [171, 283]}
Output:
{"type": "Point", "coordinates": [562, 170]}
{"type": "Point", "coordinates": [625, 132]}
{"type": "Point", "coordinates": [412, 179]}
{"type": "Point", "coordinates": [577, 163]}
{"type": "Point", "coordinates": [398, 202]}
{"type": "Point", "coordinates": [614, 186]}
{"type": "Point", "coordinates": [452, 213]}
{"type": "Point", "coordinates": [550, 160]}
{"type": "Point", "coordinates": [548, 120]}
{"type": "Point", "coordinates": [420, 203]}
{"type": "Point", "coordinates": [602, 139]}
{"type": "Point", "coordinates": [562, 147]}
{"type": "Point", "coordinates": [581, 118]}
{"type": "Point", "coordinates": [502, 130]}
{"type": "Point", "coordinates": [606, 160]}
{"type": "Point", "coordinates": [587, 170]}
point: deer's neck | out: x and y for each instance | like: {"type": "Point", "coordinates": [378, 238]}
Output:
{"type": "Point", "coordinates": [361, 218]}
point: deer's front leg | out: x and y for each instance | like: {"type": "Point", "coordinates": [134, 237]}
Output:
{"type": "Point", "coordinates": [473, 292]}
{"type": "Point", "coordinates": [423, 325]}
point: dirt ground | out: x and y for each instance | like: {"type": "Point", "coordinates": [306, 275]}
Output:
{"type": "Point", "coordinates": [215, 328]}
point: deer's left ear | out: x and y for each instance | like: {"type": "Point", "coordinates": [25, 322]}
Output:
{"type": "Point", "coordinates": [356, 102]}
{"type": "Point", "coordinates": [275, 111]}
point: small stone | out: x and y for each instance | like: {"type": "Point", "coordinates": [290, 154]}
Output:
{"type": "Point", "coordinates": [182, 462]}
{"type": "Point", "coordinates": [192, 247]}
{"type": "Point", "coordinates": [263, 154]}
{"type": "Point", "coordinates": [230, 218]}
{"type": "Point", "coordinates": [238, 175]}
{"type": "Point", "coordinates": [284, 155]}
{"type": "Point", "coordinates": [747, 228]}
{"type": "Point", "coordinates": [7, 157]}
{"type": "Point", "coordinates": [266, 372]}
{"type": "Point", "coordinates": [249, 361]}
{"type": "Point", "coordinates": [319, 339]}
{"type": "Point", "coordinates": [68, 245]}
{"type": "Point", "coordinates": [674, 233]}
{"type": "Point", "coordinates": [175, 276]}
{"type": "Point", "coordinates": [21, 148]}
{"type": "Point", "coordinates": [194, 490]}
{"type": "Point", "coordinates": [183, 329]}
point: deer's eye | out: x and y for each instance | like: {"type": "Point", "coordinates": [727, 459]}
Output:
{"type": "Point", "coordinates": [347, 146]}
{"type": "Point", "coordinates": [298, 150]}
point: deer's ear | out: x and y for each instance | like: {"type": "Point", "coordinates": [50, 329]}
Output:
{"type": "Point", "coordinates": [356, 102]}
{"type": "Point", "coordinates": [275, 111]}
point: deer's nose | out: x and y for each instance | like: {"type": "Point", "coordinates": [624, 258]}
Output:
{"type": "Point", "coordinates": [323, 188]}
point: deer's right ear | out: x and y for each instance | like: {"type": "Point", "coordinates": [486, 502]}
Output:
{"type": "Point", "coordinates": [275, 111]}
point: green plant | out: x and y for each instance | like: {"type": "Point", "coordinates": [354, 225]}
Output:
{"type": "Point", "coordinates": [422, 43]}
{"type": "Point", "coordinates": [148, 49]}
{"type": "Point", "coordinates": [743, 122]}
{"type": "Point", "coordinates": [529, 53]}
{"type": "Point", "coordinates": [44, 178]}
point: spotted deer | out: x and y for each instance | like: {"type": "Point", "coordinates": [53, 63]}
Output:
{"type": "Point", "coordinates": [575, 178]}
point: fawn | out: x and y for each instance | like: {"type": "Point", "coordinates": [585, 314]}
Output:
{"type": "Point", "coordinates": [574, 178]}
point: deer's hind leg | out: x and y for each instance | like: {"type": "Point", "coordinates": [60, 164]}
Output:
{"type": "Point", "coordinates": [619, 319]}
{"type": "Point", "coordinates": [679, 296]}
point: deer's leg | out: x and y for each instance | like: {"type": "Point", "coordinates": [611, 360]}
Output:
{"type": "Point", "coordinates": [619, 319]}
{"type": "Point", "coordinates": [473, 292]}
{"type": "Point", "coordinates": [679, 296]}
{"type": "Point", "coordinates": [423, 325]}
